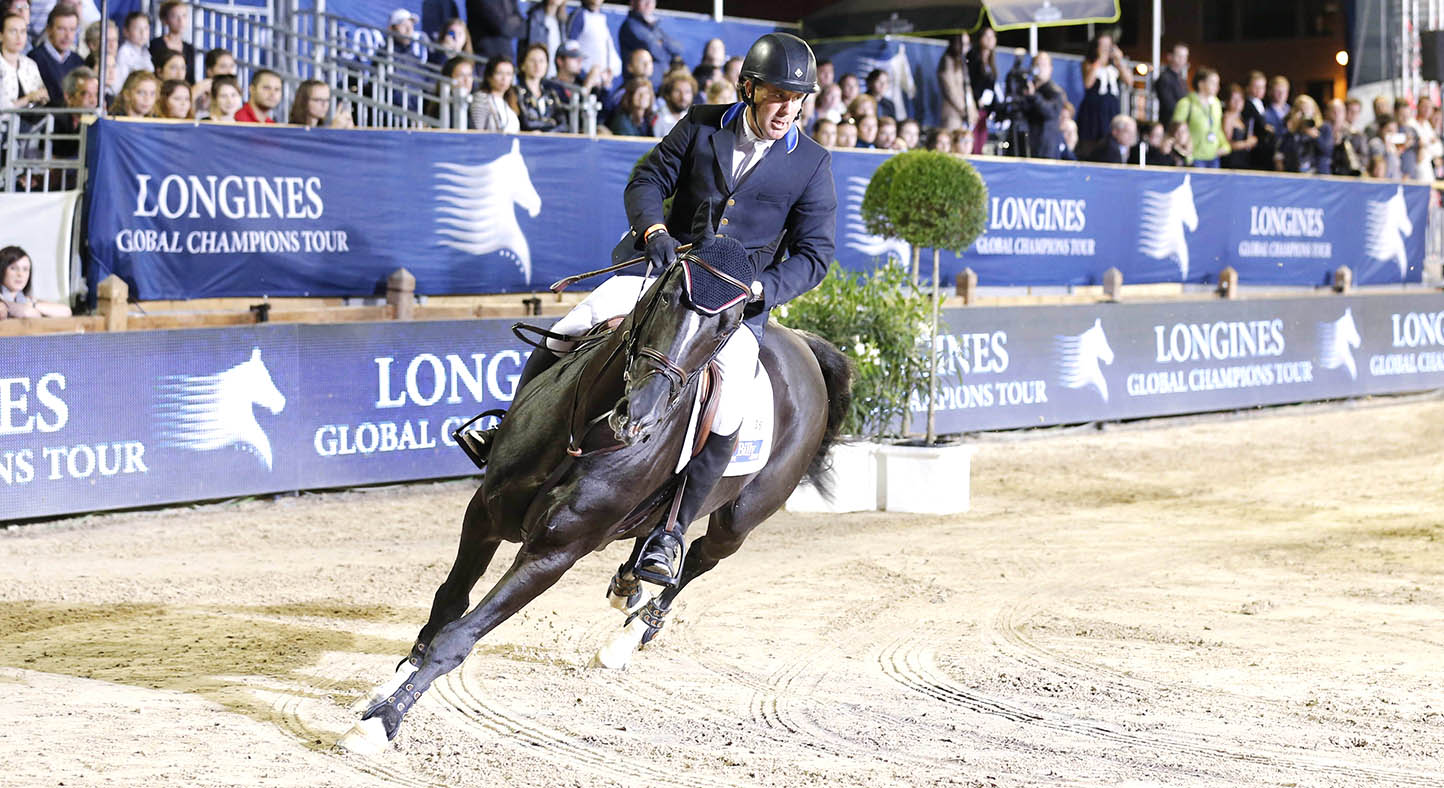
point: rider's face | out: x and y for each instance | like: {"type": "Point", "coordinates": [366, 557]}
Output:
{"type": "Point", "coordinates": [775, 109]}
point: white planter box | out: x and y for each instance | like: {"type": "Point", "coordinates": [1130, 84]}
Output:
{"type": "Point", "coordinates": [854, 483]}
{"type": "Point", "coordinates": [924, 479]}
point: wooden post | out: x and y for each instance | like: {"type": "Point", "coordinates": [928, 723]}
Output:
{"type": "Point", "coordinates": [1228, 283]}
{"type": "Point", "coordinates": [1113, 284]}
{"type": "Point", "coordinates": [401, 293]}
{"type": "Point", "coordinates": [966, 286]}
{"type": "Point", "coordinates": [1343, 279]}
{"type": "Point", "coordinates": [112, 295]}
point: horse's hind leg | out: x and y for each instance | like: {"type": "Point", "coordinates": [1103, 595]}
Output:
{"type": "Point", "coordinates": [479, 541]}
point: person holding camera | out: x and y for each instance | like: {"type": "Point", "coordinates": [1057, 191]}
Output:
{"type": "Point", "coordinates": [1203, 114]}
{"type": "Point", "coordinates": [1308, 143]}
{"type": "Point", "coordinates": [1042, 102]}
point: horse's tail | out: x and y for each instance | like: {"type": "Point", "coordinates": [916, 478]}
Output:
{"type": "Point", "coordinates": [837, 375]}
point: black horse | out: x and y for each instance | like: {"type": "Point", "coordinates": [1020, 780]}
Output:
{"type": "Point", "coordinates": [587, 455]}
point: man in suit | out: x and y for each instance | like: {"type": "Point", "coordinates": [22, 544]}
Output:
{"type": "Point", "coordinates": [759, 181]}
{"type": "Point", "coordinates": [1121, 147]}
{"type": "Point", "coordinates": [1172, 83]}
{"type": "Point", "coordinates": [55, 56]}
{"type": "Point", "coordinates": [1042, 103]}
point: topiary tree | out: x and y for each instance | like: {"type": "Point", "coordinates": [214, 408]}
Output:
{"type": "Point", "coordinates": [936, 200]}
{"type": "Point", "coordinates": [874, 209]}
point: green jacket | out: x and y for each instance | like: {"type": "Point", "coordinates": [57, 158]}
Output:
{"type": "Point", "coordinates": [1205, 126]}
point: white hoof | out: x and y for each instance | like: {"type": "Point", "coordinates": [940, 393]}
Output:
{"type": "Point", "coordinates": [383, 690]}
{"type": "Point", "coordinates": [620, 602]}
{"type": "Point", "coordinates": [367, 737]}
{"type": "Point", "coordinates": [617, 654]}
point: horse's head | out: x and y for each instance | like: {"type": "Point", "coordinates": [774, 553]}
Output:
{"type": "Point", "coordinates": [1183, 204]}
{"type": "Point", "coordinates": [676, 329]}
{"type": "Point", "coordinates": [1399, 213]}
{"type": "Point", "coordinates": [1346, 332]}
{"type": "Point", "coordinates": [259, 385]}
{"type": "Point", "coordinates": [1095, 344]}
{"type": "Point", "coordinates": [515, 175]}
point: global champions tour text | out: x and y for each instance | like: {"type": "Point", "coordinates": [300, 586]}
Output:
{"type": "Point", "coordinates": [29, 407]}
{"type": "Point", "coordinates": [233, 197]}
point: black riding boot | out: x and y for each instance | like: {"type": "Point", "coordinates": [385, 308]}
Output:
{"type": "Point", "coordinates": [661, 560]}
{"type": "Point", "coordinates": [477, 442]}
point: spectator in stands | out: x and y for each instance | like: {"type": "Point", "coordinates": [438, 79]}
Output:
{"type": "Point", "coordinates": [494, 107]}
{"type": "Point", "coordinates": [175, 100]}
{"type": "Point", "coordinates": [825, 132]}
{"type": "Point", "coordinates": [1409, 154]}
{"type": "Point", "coordinates": [312, 107]}
{"type": "Point", "coordinates": [959, 107]}
{"type": "Point", "coordinates": [20, 82]}
{"type": "Point", "coordinates": [173, 67]}
{"type": "Point", "coordinates": [829, 103]}
{"type": "Point", "coordinates": [878, 84]}
{"type": "Point", "coordinates": [546, 24]}
{"type": "Point", "coordinates": [588, 27]}
{"type": "Point", "coordinates": [1119, 148]}
{"type": "Point", "coordinates": [939, 140]}
{"type": "Point", "coordinates": [1385, 148]}
{"type": "Point", "coordinates": [1426, 125]}
{"type": "Point", "coordinates": [1042, 104]}
{"type": "Point", "coordinates": [1256, 125]}
{"type": "Point", "coordinates": [55, 57]}
{"type": "Point", "coordinates": [218, 61]}
{"type": "Point", "coordinates": [460, 73]}
{"type": "Point", "coordinates": [1203, 114]}
{"type": "Point", "coordinates": [1171, 85]}
{"type": "Point", "coordinates": [633, 117]}
{"type": "Point", "coordinates": [455, 40]}
{"type": "Point", "coordinates": [983, 79]}
{"type": "Point", "coordinates": [1308, 143]}
{"type": "Point", "coordinates": [849, 88]}
{"type": "Point", "coordinates": [134, 54]}
{"type": "Point", "coordinates": [536, 103]}
{"type": "Point", "coordinates": [862, 106]}
{"type": "Point", "coordinates": [176, 15]}
{"type": "Point", "coordinates": [732, 70]}
{"type": "Point", "coordinates": [264, 98]}
{"type": "Point", "coordinates": [82, 91]}
{"type": "Point", "coordinates": [847, 134]}
{"type": "Point", "coordinates": [495, 26]}
{"type": "Point", "coordinates": [826, 72]}
{"type": "Point", "coordinates": [1069, 129]}
{"type": "Point", "coordinates": [437, 14]}
{"type": "Point", "coordinates": [678, 91]}
{"type": "Point", "coordinates": [721, 92]}
{"type": "Point", "coordinates": [714, 55]}
{"type": "Point", "coordinates": [570, 87]}
{"type": "Point", "coordinates": [1276, 109]}
{"type": "Point", "coordinates": [867, 131]}
{"type": "Point", "coordinates": [138, 96]}
{"type": "Point", "coordinates": [1155, 148]}
{"type": "Point", "coordinates": [403, 43]}
{"type": "Point", "coordinates": [1102, 95]}
{"type": "Point", "coordinates": [643, 30]}
{"type": "Point", "coordinates": [909, 133]}
{"type": "Point", "coordinates": [639, 64]}
{"type": "Point", "coordinates": [886, 134]}
{"type": "Point", "coordinates": [1349, 158]}
{"type": "Point", "coordinates": [1180, 144]}
{"type": "Point", "coordinates": [20, 8]}
{"type": "Point", "coordinates": [15, 287]}
{"type": "Point", "coordinates": [225, 98]}
{"type": "Point", "coordinates": [1237, 131]}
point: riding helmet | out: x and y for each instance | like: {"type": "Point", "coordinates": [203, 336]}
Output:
{"type": "Point", "coordinates": [783, 60]}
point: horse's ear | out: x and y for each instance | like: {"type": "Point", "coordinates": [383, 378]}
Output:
{"type": "Point", "coordinates": [255, 354]}
{"type": "Point", "coordinates": [516, 146]}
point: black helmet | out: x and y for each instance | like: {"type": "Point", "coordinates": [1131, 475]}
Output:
{"type": "Point", "coordinates": [781, 59]}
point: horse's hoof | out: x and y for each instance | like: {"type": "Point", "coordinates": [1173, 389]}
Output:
{"type": "Point", "coordinates": [383, 690]}
{"type": "Point", "coordinates": [367, 737]}
{"type": "Point", "coordinates": [617, 654]}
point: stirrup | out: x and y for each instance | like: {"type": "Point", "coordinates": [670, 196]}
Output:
{"type": "Point", "coordinates": [476, 444]}
{"type": "Point", "coordinates": [652, 546]}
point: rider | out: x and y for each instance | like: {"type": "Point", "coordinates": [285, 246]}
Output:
{"type": "Point", "coordinates": [765, 185]}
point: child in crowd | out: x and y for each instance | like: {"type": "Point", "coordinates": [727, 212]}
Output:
{"type": "Point", "coordinates": [134, 54]}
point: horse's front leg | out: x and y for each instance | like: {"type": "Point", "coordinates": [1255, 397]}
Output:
{"type": "Point", "coordinates": [534, 571]}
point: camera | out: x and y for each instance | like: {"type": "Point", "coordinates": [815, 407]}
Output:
{"type": "Point", "coordinates": [1309, 123]}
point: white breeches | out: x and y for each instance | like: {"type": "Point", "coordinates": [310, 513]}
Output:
{"type": "Point", "coordinates": [737, 359]}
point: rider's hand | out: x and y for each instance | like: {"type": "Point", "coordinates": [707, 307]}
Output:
{"type": "Point", "coordinates": [662, 249]}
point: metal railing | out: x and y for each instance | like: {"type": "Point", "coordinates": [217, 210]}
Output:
{"type": "Point", "coordinates": [40, 154]}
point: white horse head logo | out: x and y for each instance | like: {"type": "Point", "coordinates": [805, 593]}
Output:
{"type": "Point", "coordinates": [208, 412]}
{"type": "Point", "coordinates": [1165, 217]}
{"type": "Point", "coordinates": [1386, 226]}
{"type": "Point", "coordinates": [860, 239]}
{"type": "Point", "coordinates": [1337, 340]}
{"type": "Point", "coordinates": [1078, 357]}
{"type": "Point", "coordinates": [475, 207]}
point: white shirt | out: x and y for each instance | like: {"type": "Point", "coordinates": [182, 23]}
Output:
{"type": "Point", "coordinates": [131, 57]}
{"type": "Point", "coordinates": [748, 142]}
{"type": "Point", "coordinates": [598, 48]}
{"type": "Point", "coordinates": [554, 40]}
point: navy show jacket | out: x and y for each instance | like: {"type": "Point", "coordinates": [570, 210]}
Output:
{"type": "Point", "coordinates": [784, 210]}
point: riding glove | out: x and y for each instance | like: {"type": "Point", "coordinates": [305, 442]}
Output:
{"type": "Point", "coordinates": [662, 249]}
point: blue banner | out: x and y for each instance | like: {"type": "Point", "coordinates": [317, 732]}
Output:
{"type": "Point", "coordinates": [106, 421]}
{"type": "Point", "coordinates": [184, 210]}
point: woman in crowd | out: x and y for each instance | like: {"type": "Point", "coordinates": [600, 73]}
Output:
{"type": "Point", "coordinates": [536, 103]}
{"type": "Point", "coordinates": [138, 96]}
{"type": "Point", "coordinates": [1426, 125]}
{"type": "Point", "coordinates": [20, 83]}
{"type": "Point", "coordinates": [940, 140]}
{"type": "Point", "coordinates": [960, 108]}
{"type": "Point", "coordinates": [218, 61]}
{"type": "Point", "coordinates": [175, 100]}
{"type": "Point", "coordinates": [862, 106]}
{"type": "Point", "coordinates": [846, 134]}
{"type": "Point", "coordinates": [312, 107]}
{"type": "Point", "coordinates": [829, 103]}
{"type": "Point", "coordinates": [455, 40]}
{"type": "Point", "coordinates": [176, 16]}
{"type": "Point", "coordinates": [1238, 131]}
{"type": "Point", "coordinates": [546, 24]}
{"type": "Point", "coordinates": [983, 80]}
{"type": "Point", "coordinates": [1308, 143]}
{"type": "Point", "coordinates": [714, 55]}
{"type": "Point", "coordinates": [850, 87]}
{"type": "Point", "coordinates": [225, 99]}
{"type": "Point", "coordinates": [1180, 144]}
{"type": "Point", "coordinates": [1102, 95]}
{"type": "Point", "coordinates": [15, 287]}
{"type": "Point", "coordinates": [494, 108]}
{"type": "Point", "coordinates": [633, 117]}
{"type": "Point", "coordinates": [1159, 148]}
{"type": "Point", "coordinates": [174, 67]}
{"type": "Point", "coordinates": [825, 132]}
{"type": "Point", "coordinates": [459, 74]}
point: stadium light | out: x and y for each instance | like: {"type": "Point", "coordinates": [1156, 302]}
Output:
{"type": "Point", "coordinates": [1142, 69]}
{"type": "Point", "coordinates": [1342, 57]}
